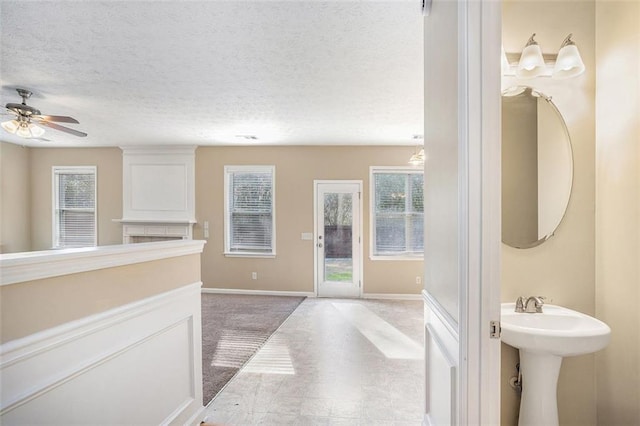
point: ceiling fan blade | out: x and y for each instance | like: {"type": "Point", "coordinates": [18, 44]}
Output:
{"type": "Point", "coordinates": [7, 111]}
{"type": "Point", "coordinates": [56, 118]}
{"type": "Point", "coordinates": [62, 128]}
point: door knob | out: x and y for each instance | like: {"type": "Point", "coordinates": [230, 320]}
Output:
{"type": "Point", "coordinates": [320, 245]}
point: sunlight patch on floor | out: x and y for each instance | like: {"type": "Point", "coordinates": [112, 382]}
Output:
{"type": "Point", "coordinates": [272, 358]}
{"type": "Point", "coordinates": [389, 340]}
{"type": "Point", "coordinates": [235, 346]}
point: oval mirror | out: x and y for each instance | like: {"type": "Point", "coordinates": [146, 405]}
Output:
{"type": "Point", "coordinates": [537, 167]}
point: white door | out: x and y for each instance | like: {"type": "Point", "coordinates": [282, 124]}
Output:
{"type": "Point", "coordinates": [462, 212]}
{"type": "Point", "coordinates": [338, 238]}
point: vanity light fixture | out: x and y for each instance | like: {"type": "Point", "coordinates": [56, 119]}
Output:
{"type": "Point", "coordinates": [569, 63]}
{"type": "Point", "coordinates": [533, 63]}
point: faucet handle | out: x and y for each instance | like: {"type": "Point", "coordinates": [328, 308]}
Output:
{"type": "Point", "coordinates": [520, 301]}
{"type": "Point", "coordinates": [538, 302]}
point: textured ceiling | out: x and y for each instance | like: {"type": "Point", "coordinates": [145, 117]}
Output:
{"type": "Point", "coordinates": [203, 72]}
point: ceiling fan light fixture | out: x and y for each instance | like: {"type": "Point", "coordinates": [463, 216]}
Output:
{"type": "Point", "coordinates": [36, 131]}
{"type": "Point", "coordinates": [23, 130]}
{"type": "Point", "coordinates": [10, 126]}
{"type": "Point", "coordinates": [417, 159]}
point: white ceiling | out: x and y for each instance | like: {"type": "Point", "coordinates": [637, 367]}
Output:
{"type": "Point", "coordinates": [202, 72]}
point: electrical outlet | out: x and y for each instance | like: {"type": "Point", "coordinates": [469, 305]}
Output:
{"type": "Point", "coordinates": [418, 280]}
{"type": "Point", "coordinates": [254, 275]}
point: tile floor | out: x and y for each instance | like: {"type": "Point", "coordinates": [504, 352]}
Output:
{"type": "Point", "coordinates": [333, 362]}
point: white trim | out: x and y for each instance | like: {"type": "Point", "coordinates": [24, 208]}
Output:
{"type": "Point", "coordinates": [29, 266]}
{"type": "Point", "coordinates": [358, 182]}
{"type": "Point", "coordinates": [487, 295]}
{"type": "Point", "coordinates": [392, 296]}
{"type": "Point", "coordinates": [227, 243]}
{"type": "Point", "coordinates": [401, 170]}
{"type": "Point", "coordinates": [197, 417]}
{"type": "Point", "coordinates": [254, 255]}
{"type": "Point", "coordinates": [441, 313]}
{"type": "Point", "coordinates": [160, 150]}
{"type": "Point", "coordinates": [158, 221]}
{"type": "Point", "coordinates": [285, 293]}
{"type": "Point", "coordinates": [395, 258]}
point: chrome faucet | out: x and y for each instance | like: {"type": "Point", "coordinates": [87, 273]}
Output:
{"type": "Point", "coordinates": [520, 304]}
{"type": "Point", "coordinates": [537, 305]}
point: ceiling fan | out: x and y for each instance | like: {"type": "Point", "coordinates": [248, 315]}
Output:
{"type": "Point", "coordinates": [27, 118]}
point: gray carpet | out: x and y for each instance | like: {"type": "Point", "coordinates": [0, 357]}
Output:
{"type": "Point", "coordinates": [234, 327]}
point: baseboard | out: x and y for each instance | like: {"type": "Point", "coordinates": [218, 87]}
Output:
{"type": "Point", "coordinates": [391, 296]}
{"type": "Point", "coordinates": [388, 296]}
{"type": "Point", "coordinates": [257, 292]}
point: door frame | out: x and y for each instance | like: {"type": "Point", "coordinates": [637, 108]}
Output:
{"type": "Point", "coordinates": [466, 347]}
{"type": "Point", "coordinates": [316, 182]}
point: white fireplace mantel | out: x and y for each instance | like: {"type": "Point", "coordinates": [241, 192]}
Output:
{"type": "Point", "coordinates": [159, 229]}
{"type": "Point", "coordinates": [158, 193]}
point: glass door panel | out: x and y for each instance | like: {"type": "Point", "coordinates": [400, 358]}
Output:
{"type": "Point", "coordinates": [338, 239]}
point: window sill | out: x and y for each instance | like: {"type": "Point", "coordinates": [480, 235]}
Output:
{"type": "Point", "coordinates": [415, 258]}
{"type": "Point", "coordinates": [253, 255]}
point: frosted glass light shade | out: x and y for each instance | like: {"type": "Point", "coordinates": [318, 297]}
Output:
{"type": "Point", "coordinates": [10, 126]}
{"type": "Point", "coordinates": [569, 63]}
{"type": "Point", "coordinates": [531, 62]}
{"type": "Point", "coordinates": [23, 131]}
{"type": "Point", "coordinates": [36, 131]}
{"type": "Point", "coordinates": [28, 130]}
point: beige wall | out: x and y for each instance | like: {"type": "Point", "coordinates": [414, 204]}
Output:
{"type": "Point", "coordinates": [561, 268]}
{"type": "Point", "coordinates": [618, 209]}
{"type": "Point", "coordinates": [33, 306]}
{"type": "Point", "coordinates": [15, 198]}
{"type": "Point", "coordinates": [109, 178]}
{"type": "Point", "coordinates": [296, 169]}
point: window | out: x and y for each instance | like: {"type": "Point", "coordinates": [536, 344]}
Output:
{"type": "Point", "coordinates": [249, 210]}
{"type": "Point", "coordinates": [74, 207]}
{"type": "Point", "coordinates": [397, 210]}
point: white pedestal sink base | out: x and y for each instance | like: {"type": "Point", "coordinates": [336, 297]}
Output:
{"type": "Point", "coordinates": [538, 404]}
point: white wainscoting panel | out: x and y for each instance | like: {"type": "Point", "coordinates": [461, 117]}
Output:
{"type": "Point", "coordinates": [441, 365]}
{"type": "Point", "coordinates": [137, 364]}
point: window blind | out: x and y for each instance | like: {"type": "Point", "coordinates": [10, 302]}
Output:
{"type": "Point", "coordinates": [75, 216]}
{"type": "Point", "coordinates": [250, 211]}
{"type": "Point", "coordinates": [398, 209]}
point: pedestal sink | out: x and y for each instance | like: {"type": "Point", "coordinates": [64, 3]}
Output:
{"type": "Point", "coordinates": [543, 340]}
